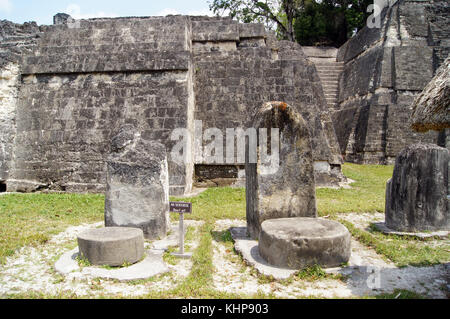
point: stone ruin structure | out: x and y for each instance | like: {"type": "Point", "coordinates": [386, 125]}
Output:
{"type": "Point", "coordinates": [66, 89]}
{"type": "Point", "coordinates": [281, 204]}
{"type": "Point", "coordinates": [417, 196]}
{"type": "Point", "coordinates": [384, 70]}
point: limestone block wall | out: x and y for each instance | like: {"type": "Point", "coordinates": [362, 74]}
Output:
{"type": "Point", "coordinates": [385, 69]}
{"type": "Point", "coordinates": [9, 79]}
{"type": "Point", "coordinates": [83, 82]}
{"type": "Point", "coordinates": [66, 89]}
{"type": "Point", "coordinates": [15, 39]}
{"type": "Point", "coordinates": [239, 67]}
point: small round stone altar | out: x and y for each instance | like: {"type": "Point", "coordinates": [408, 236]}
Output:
{"type": "Point", "coordinates": [296, 243]}
{"type": "Point", "coordinates": [112, 246]}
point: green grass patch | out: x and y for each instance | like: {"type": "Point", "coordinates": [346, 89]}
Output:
{"type": "Point", "coordinates": [31, 219]}
{"type": "Point", "coordinates": [368, 192]}
{"type": "Point", "coordinates": [315, 273]}
{"type": "Point", "coordinates": [83, 261]}
{"type": "Point", "coordinates": [216, 203]}
{"type": "Point", "coordinates": [403, 251]}
{"type": "Point", "coordinates": [169, 258]}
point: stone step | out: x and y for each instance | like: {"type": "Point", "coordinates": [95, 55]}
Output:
{"type": "Point", "coordinates": [329, 70]}
{"type": "Point", "coordinates": [17, 38]}
{"type": "Point", "coordinates": [329, 64]}
{"type": "Point", "coordinates": [330, 87]}
{"type": "Point", "coordinates": [332, 78]}
{"type": "Point", "coordinates": [329, 73]}
{"type": "Point", "coordinates": [332, 84]}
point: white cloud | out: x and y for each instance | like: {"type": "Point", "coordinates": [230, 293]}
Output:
{"type": "Point", "coordinates": [5, 5]}
{"type": "Point", "coordinates": [74, 10]}
{"type": "Point", "coordinates": [170, 11]}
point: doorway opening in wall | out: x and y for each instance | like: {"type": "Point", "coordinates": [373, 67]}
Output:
{"type": "Point", "coordinates": [2, 187]}
{"type": "Point", "coordinates": [219, 175]}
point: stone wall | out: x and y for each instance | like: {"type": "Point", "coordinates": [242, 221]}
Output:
{"type": "Point", "coordinates": [238, 67]}
{"type": "Point", "coordinates": [82, 82]}
{"type": "Point", "coordinates": [15, 39]}
{"type": "Point", "coordinates": [72, 85]}
{"type": "Point", "coordinates": [385, 69]}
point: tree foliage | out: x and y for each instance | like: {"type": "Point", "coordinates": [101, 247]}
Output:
{"type": "Point", "coordinates": [309, 22]}
{"type": "Point", "coordinates": [274, 13]}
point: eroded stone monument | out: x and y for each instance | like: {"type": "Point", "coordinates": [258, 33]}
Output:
{"type": "Point", "coordinates": [416, 196]}
{"type": "Point", "coordinates": [137, 192]}
{"type": "Point", "coordinates": [290, 191]}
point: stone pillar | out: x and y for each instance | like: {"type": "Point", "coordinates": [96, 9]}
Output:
{"type": "Point", "coordinates": [288, 191]}
{"type": "Point", "coordinates": [137, 191]}
{"type": "Point", "coordinates": [416, 196]}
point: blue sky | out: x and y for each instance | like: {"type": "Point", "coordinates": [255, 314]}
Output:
{"type": "Point", "coordinates": [42, 11]}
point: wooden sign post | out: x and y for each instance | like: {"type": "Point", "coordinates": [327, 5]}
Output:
{"type": "Point", "coordinates": [181, 208]}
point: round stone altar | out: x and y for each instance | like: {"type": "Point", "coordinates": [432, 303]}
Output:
{"type": "Point", "coordinates": [296, 243]}
{"type": "Point", "coordinates": [112, 246]}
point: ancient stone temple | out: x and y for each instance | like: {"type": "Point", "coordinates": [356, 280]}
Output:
{"type": "Point", "coordinates": [67, 88]}
{"type": "Point", "coordinates": [384, 70]}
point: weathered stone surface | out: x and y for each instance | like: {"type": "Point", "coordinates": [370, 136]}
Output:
{"type": "Point", "coordinates": [112, 246]}
{"type": "Point", "coordinates": [232, 84]}
{"type": "Point", "coordinates": [249, 251]}
{"type": "Point", "coordinates": [137, 193]}
{"type": "Point", "coordinates": [288, 191]}
{"type": "Point", "coordinates": [296, 243]}
{"type": "Point", "coordinates": [61, 18]}
{"type": "Point", "coordinates": [416, 196]}
{"type": "Point", "coordinates": [431, 109]}
{"type": "Point", "coordinates": [83, 79]}
{"type": "Point", "coordinates": [385, 69]}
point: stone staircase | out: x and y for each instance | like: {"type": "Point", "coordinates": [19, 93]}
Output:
{"type": "Point", "coordinates": [329, 71]}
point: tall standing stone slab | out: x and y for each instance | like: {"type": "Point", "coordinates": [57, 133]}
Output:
{"type": "Point", "coordinates": [137, 192]}
{"type": "Point", "coordinates": [290, 191]}
{"type": "Point", "coordinates": [416, 196]}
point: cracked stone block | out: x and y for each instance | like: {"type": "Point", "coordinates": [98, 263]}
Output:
{"type": "Point", "coordinates": [137, 192]}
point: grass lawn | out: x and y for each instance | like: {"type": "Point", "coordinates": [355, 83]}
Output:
{"type": "Point", "coordinates": [33, 219]}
